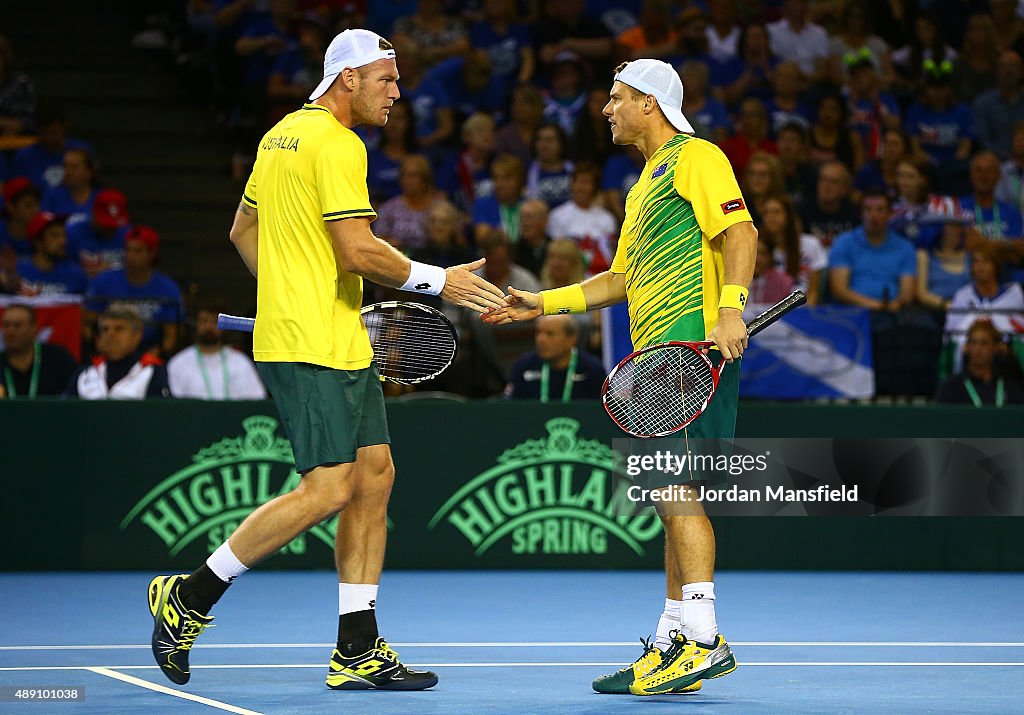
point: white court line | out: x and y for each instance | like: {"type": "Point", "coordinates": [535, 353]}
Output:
{"type": "Point", "coordinates": [773, 664]}
{"type": "Point", "coordinates": [559, 644]}
{"type": "Point", "coordinates": [170, 691]}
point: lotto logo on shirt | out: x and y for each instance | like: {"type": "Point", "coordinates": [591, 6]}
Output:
{"type": "Point", "coordinates": [735, 205]}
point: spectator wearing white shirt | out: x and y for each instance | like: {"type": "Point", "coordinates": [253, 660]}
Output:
{"type": "Point", "coordinates": [592, 227]}
{"type": "Point", "coordinates": [985, 297]}
{"type": "Point", "coordinates": [795, 39]}
{"type": "Point", "coordinates": [209, 370]}
{"type": "Point", "coordinates": [796, 253]}
{"type": "Point", "coordinates": [723, 31]}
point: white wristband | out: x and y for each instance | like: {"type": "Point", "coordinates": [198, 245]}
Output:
{"type": "Point", "coordinates": [425, 278]}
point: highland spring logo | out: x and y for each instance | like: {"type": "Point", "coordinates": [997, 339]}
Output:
{"type": "Point", "coordinates": [225, 482]}
{"type": "Point", "coordinates": [555, 495]}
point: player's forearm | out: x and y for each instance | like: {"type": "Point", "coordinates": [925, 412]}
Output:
{"type": "Point", "coordinates": [604, 289]}
{"type": "Point", "coordinates": [739, 252]}
{"type": "Point", "coordinates": [378, 261]}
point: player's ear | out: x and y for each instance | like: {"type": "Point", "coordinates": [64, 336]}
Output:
{"type": "Point", "coordinates": [349, 78]}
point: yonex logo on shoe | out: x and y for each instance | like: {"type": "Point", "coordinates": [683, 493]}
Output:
{"type": "Point", "coordinates": [696, 596]}
{"type": "Point", "coordinates": [373, 603]}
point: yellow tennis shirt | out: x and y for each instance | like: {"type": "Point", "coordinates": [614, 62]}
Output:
{"type": "Point", "coordinates": [309, 169]}
{"type": "Point", "coordinates": [686, 196]}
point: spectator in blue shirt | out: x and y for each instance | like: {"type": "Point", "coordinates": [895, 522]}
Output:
{"type": "Point", "coordinates": [428, 98]}
{"type": "Point", "coordinates": [48, 271]}
{"type": "Point", "coordinates": [397, 141]}
{"type": "Point", "coordinates": [872, 111]}
{"type": "Point", "coordinates": [786, 105]}
{"type": "Point", "coordinates": [941, 126]}
{"type": "Point", "coordinates": [21, 204]}
{"type": "Point", "coordinates": [621, 171]}
{"type": "Point", "coordinates": [997, 110]}
{"type": "Point", "coordinates": [297, 71]}
{"type": "Point", "coordinates": [995, 220]}
{"type": "Point", "coordinates": [73, 198]}
{"type": "Point", "coordinates": [548, 176]}
{"type": "Point", "coordinates": [43, 162]}
{"type": "Point", "coordinates": [151, 294]}
{"type": "Point", "coordinates": [469, 84]}
{"type": "Point", "coordinates": [501, 208]}
{"type": "Point", "coordinates": [871, 266]}
{"type": "Point", "coordinates": [706, 114]}
{"type": "Point", "coordinates": [749, 73]}
{"type": "Point", "coordinates": [506, 42]}
{"type": "Point", "coordinates": [98, 244]}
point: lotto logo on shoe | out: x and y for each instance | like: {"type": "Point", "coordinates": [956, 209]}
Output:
{"type": "Point", "coordinates": [373, 603]}
{"type": "Point", "coordinates": [422, 286]}
{"type": "Point", "coordinates": [735, 205]}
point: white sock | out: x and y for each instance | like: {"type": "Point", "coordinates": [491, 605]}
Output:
{"type": "Point", "coordinates": [668, 622]}
{"type": "Point", "coordinates": [698, 612]}
{"type": "Point", "coordinates": [225, 564]}
{"type": "Point", "coordinates": [354, 597]}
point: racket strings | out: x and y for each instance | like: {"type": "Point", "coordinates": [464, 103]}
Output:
{"type": "Point", "coordinates": [409, 345]}
{"type": "Point", "coordinates": [657, 392]}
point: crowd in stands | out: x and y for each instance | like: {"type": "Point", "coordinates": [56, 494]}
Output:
{"type": "Point", "coordinates": [880, 148]}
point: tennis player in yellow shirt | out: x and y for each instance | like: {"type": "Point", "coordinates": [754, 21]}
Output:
{"type": "Point", "coordinates": [683, 264]}
{"type": "Point", "coordinates": [303, 229]}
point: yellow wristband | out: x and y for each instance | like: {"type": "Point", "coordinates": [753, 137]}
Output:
{"type": "Point", "coordinates": [733, 296]}
{"type": "Point", "coordinates": [569, 299]}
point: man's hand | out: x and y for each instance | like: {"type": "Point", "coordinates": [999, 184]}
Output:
{"type": "Point", "coordinates": [464, 288]}
{"type": "Point", "coordinates": [519, 305]}
{"type": "Point", "coordinates": [729, 334]}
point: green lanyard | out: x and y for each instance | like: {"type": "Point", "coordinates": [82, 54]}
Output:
{"type": "Point", "coordinates": [510, 222]}
{"type": "Point", "coordinates": [206, 378]}
{"type": "Point", "coordinates": [979, 218]}
{"type": "Point", "coordinates": [973, 394]}
{"type": "Point", "coordinates": [545, 379]}
{"type": "Point", "coordinates": [33, 383]}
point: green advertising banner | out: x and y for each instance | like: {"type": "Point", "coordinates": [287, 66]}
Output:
{"type": "Point", "coordinates": [159, 485]}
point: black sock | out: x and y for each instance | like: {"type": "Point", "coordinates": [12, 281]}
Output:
{"type": "Point", "coordinates": [202, 589]}
{"type": "Point", "coordinates": [357, 632]}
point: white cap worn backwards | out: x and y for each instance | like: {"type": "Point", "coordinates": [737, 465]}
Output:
{"type": "Point", "coordinates": [351, 49]}
{"type": "Point", "coordinates": [660, 80]}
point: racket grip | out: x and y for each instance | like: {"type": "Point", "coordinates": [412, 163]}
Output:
{"type": "Point", "coordinates": [791, 301]}
{"type": "Point", "coordinates": [234, 322]}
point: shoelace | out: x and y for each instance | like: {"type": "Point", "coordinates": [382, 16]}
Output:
{"type": "Point", "coordinates": [385, 651]}
{"type": "Point", "coordinates": [644, 664]}
{"type": "Point", "coordinates": [189, 632]}
{"type": "Point", "coordinates": [676, 646]}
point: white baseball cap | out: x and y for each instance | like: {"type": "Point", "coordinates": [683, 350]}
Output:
{"type": "Point", "coordinates": [660, 80]}
{"type": "Point", "coordinates": [350, 49]}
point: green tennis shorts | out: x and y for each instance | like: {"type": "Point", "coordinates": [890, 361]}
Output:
{"type": "Point", "coordinates": [328, 414]}
{"type": "Point", "coordinates": [712, 433]}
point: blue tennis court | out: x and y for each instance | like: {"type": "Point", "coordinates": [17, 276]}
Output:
{"type": "Point", "coordinates": [530, 642]}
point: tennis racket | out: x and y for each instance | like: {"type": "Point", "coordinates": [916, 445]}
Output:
{"type": "Point", "coordinates": [411, 342]}
{"type": "Point", "coordinates": [660, 389]}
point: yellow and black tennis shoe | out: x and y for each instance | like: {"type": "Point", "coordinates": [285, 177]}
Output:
{"type": "Point", "coordinates": [618, 683]}
{"type": "Point", "coordinates": [175, 627]}
{"type": "Point", "coordinates": [377, 669]}
{"type": "Point", "coordinates": [684, 663]}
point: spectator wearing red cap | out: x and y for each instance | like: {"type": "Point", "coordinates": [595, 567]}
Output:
{"type": "Point", "coordinates": [98, 245]}
{"type": "Point", "coordinates": [151, 294]}
{"type": "Point", "coordinates": [49, 271]}
{"type": "Point", "coordinates": [21, 204]}
{"type": "Point", "coordinates": [43, 162]}
{"type": "Point", "coordinates": [74, 197]}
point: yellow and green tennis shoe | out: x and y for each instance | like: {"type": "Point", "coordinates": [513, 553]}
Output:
{"type": "Point", "coordinates": [685, 663]}
{"type": "Point", "coordinates": [619, 682]}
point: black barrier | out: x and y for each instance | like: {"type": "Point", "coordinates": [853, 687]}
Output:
{"type": "Point", "coordinates": [158, 485]}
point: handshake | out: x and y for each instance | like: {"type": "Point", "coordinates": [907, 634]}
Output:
{"type": "Point", "coordinates": [464, 288]}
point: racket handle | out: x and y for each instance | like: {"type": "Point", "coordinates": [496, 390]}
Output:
{"type": "Point", "coordinates": [791, 301]}
{"type": "Point", "coordinates": [234, 322]}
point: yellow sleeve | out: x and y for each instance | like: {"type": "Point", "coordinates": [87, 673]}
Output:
{"type": "Point", "coordinates": [341, 180]}
{"type": "Point", "coordinates": [704, 178]}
